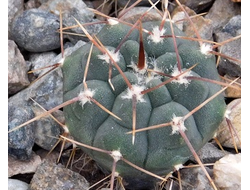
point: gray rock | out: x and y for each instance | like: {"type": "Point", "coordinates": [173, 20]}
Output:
{"type": "Point", "coordinates": [53, 177]}
{"type": "Point", "coordinates": [210, 153]}
{"type": "Point", "coordinates": [15, 7]}
{"type": "Point", "coordinates": [233, 50]}
{"type": "Point", "coordinates": [14, 184]}
{"type": "Point", "coordinates": [17, 69]}
{"type": "Point", "coordinates": [203, 26]}
{"type": "Point", "coordinates": [21, 141]}
{"type": "Point", "coordinates": [70, 10]}
{"type": "Point", "coordinates": [47, 92]}
{"type": "Point", "coordinates": [195, 178]}
{"type": "Point", "coordinates": [47, 130]}
{"type": "Point", "coordinates": [36, 30]}
{"type": "Point", "coordinates": [40, 60]}
{"type": "Point", "coordinates": [135, 13]}
{"type": "Point", "coordinates": [221, 12]}
{"type": "Point", "coordinates": [233, 26]}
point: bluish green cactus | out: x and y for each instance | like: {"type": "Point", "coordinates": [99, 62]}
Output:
{"type": "Point", "coordinates": [157, 150]}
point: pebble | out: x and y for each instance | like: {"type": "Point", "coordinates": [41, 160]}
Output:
{"type": "Point", "coordinates": [135, 13]}
{"type": "Point", "coordinates": [16, 166]}
{"type": "Point", "coordinates": [225, 137]}
{"type": "Point", "coordinates": [73, 9]}
{"type": "Point", "coordinates": [232, 92]}
{"type": "Point", "coordinates": [195, 178]}
{"type": "Point", "coordinates": [15, 7]}
{"type": "Point", "coordinates": [36, 30]}
{"type": "Point", "coordinates": [17, 69]}
{"type": "Point", "coordinates": [227, 172]}
{"type": "Point", "coordinates": [231, 49]}
{"type": "Point", "coordinates": [203, 26]}
{"type": "Point", "coordinates": [14, 184]}
{"type": "Point", "coordinates": [210, 153]}
{"type": "Point", "coordinates": [123, 3]}
{"type": "Point", "coordinates": [55, 176]}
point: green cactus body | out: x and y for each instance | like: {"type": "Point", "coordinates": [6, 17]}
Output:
{"type": "Point", "coordinates": [157, 150]}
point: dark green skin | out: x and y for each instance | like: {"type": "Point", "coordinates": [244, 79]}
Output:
{"type": "Point", "coordinates": [157, 150]}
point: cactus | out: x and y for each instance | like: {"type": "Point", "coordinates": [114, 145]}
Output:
{"type": "Point", "coordinates": [146, 78]}
{"type": "Point", "coordinates": [140, 99]}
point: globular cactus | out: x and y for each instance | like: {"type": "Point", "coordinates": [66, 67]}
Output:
{"type": "Point", "coordinates": [146, 76]}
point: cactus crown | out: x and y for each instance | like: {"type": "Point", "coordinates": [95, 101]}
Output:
{"type": "Point", "coordinates": [146, 78]}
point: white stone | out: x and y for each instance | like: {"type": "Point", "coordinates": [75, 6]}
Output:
{"type": "Point", "coordinates": [224, 136]}
{"type": "Point", "coordinates": [227, 172]}
{"type": "Point", "coordinates": [14, 184]}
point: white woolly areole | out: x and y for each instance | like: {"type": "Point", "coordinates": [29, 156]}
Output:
{"type": "Point", "coordinates": [206, 49]}
{"type": "Point", "coordinates": [117, 174]}
{"type": "Point", "coordinates": [84, 96]}
{"type": "Point", "coordinates": [177, 124]}
{"type": "Point", "coordinates": [181, 79]}
{"type": "Point", "coordinates": [178, 167]}
{"type": "Point", "coordinates": [157, 33]}
{"type": "Point", "coordinates": [61, 61]}
{"type": "Point", "coordinates": [112, 21]}
{"type": "Point", "coordinates": [136, 90]}
{"type": "Point", "coordinates": [106, 58]}
{"type": "Point", "coordinates": [227, 114]}
{"type": "Point", "coordinates": [66, 129]}
{"type": "Point", "coordinates": [116, 154]}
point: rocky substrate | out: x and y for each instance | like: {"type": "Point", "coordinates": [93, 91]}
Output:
{"type": "Point", "coordinates": [34, 42]}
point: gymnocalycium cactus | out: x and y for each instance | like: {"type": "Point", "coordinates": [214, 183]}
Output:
{"type": "Point", "coordinates": [146, 78]}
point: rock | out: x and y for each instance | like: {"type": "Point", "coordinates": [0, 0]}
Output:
{"type": "Point", "coordinates": [53, 177]}
{"type": "Point", "coordinates": [223, 133]}
{"type": "Point", "coordinates": [21, 141]}
{"type": "Point", "coordinates": [73, 9]}
{"type": "Point", "coordinates": [17, 69]}
{"type": "Point", "coordinates": [50, 157]}
{"type": "Point", "coordinates": [203, 26]}
{"type": "Point", "coordinates": [195, 178]}
{"type": "Point", "coordinates": [231, 49]}
{"type": "Point", "coordinates": [16, 166]}
{"type": "Point", "coordinates": [221, 12]}
{"type": "Point", "coordinates": [101, 6]}
{"type": "Point", "coordinates": [40, 60]}
{"type": "Point", "coordinates": [14, 184]}
{"type": "Point", "coordinates": [227, 172]}
{"type": "Point", "coordinates": [232, 92]}
{"type": "Point", "coordinates": [233, 26]}
{"type": "Point", "coordinates": [135, 13]}
{"type": "Point", "coordinates": [47, 92]}
{"type": "Point", "coordinates": [47, 130]}
{"type": "Point", "coordinates": [36, 30]}
{"type": "Point", "coordinates": [210, 153]}
{"type": "Point", "coordinates": [15, 7]}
